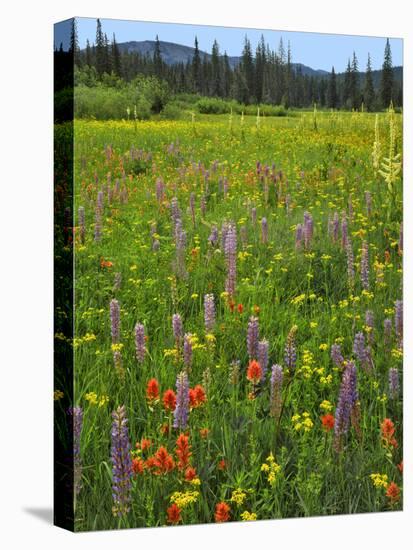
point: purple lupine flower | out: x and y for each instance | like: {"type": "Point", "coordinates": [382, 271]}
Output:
{"type": "Point", "coordinates": [117, 281]}
{"type": "Point", "coordinates": [231, 258]}
{"type": "Point", "coordinates": [362, 352]}
{"type": "Point", "coordinates": [344, 232]}
{"type": "Point", "coordinates": [367, 196]}
{"type": "Point", "coordinates": [252, 338]}
{"type": "Point", "coordinates": [177, 328]}
{"type": "Point", "coordinates": [117, 360]}
{"type": "Point", "coordinates": [388, 327]}
{"type": "Point", "coordinates": [115, 321]}
{"type": "Point", "coordinates": [308, 229]}
{"type": "Point", "coordinates": [370, 325]}
{"type": "Point", "coordinates": [180, 244]}
{"type": "Point", "coordinates": [121, 463]}
{"type": "Point", "coordinates": [290, 353]}
{"type": "Point", "coordinates": [100, 201]}
{"type": "Point", "coordinates": [181, 412]}
{"type": "Point", "coordinates": [298, 236]}
{"type": "Point", "coordinates": [160, 190]}
{"type": "Point", "coordinates": [262, 356]}
{"type": "Point", "coordinates": [350, 263]}
{"type": "Point", "coordinates": [140, 342]}
{"type": "Point", "coordinates": [347, 401]}
{"type": "Point", "coordinates": [394, 384]}
{"type": "Point", "coordinates": [253, 215]}
{"type": "Point", "coordinates": [76, 414]}
{"type": "Point", "coordinates": [264, 230]}
{"type": "Point", "coordinates": [175, 210]}
{"type": "Point", "coordinates": [98, 225]}
{"type": "Point", "coordinates": [276, 391]}
{"type": "Point", "coordinates": [398, 320]}
{"type": "Point", "coordinates": [192, 206]}
{"type": "Point", "coordinates": [203, 206]}
{"type": "Point", "coordinates": [209, 312]}
{"type": "Point", "coordinates": [156, 245]}
{"type": "Point", "coordinates": [82, 228]}
{"type": "Point", "coordinates": [213, 237]}
{"type": "Point", "coordinates": [364, 266]}
{"type": "Point", "coordinates": [188, 350]}
{"type": "Point", "coordinates": [335, 226]}
{"type": "Point", "coordinates": [224, 232]}
{"type": "Point", "coordinates": [124, 195]}
{"type": "Point", "coordinates": [336, 355]}
{"type": "Point", "coordinates": [225, 187]}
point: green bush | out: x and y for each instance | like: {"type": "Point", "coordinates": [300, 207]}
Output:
{"type": "Point", "coordinates": [171, 111]}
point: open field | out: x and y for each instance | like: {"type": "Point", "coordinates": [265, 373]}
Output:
{"type": "Point", "coordinates": [294, 359]}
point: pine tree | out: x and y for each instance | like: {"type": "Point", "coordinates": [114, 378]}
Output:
{"type": "Point", "coordinates": [88, 54]}
{"type": "Point", "coordinates": [354, 84]}
{"type": "Point", "coordinates": [368, 92]}
{"type": "Point", "coordinates": [346, 101]}
{"type": "Point", "coordinates": [216, 70]}
{"type": "Point", "coordinates": [332, 99]}
{"type": "Point", "coordinates": [196, 69]}
{"type": "Point", "coordinates": [227, 76]}
{"type": "Point", "coordinates": [100, 49]}
{"type": "Point", "coordinates": [247, 65]}
{"type": "Point", "coordinates": [157, 59]}
{"type": "Point", "coordinates": [74, 43]}
{"type": "Point", "coordinates": [116, 60]}
{"type": "Point", "coordinates": [386, 87]}
{"type": "Point", "coordinates": [107, 63]}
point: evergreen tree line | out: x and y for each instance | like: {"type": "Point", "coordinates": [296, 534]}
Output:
{"type": "Point", "coordinates": [267, 76]}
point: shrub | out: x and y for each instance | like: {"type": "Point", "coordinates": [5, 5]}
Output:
{"type": "Point", "coordinates": [171, 111]}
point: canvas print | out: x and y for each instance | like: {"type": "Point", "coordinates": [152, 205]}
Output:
{"type": "Point", "coordinates": [228, 274]}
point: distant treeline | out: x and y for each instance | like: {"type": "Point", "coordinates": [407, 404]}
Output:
{"type": "Point", "coordinates": [267, 76]}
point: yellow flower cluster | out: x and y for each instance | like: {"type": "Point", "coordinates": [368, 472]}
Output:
{"type": "Point", "coordinates": [271, 468]}
{"type": "Point", "coordinates": [88, 337]}
{"type": "Point", "coordinates": [326, 406]}
{"type": "Point", "coordinates": [94, 399]}
{"type": "Point", "coordinates": [302, 422]}
{"type": "Point", "coordinates": [116, 347]}
{"type": "Point", "coordinates": [238, 496]}
{"type": "Point", "coordinates": [184, 499]}
{"type": "Point", "coordinates": [248, 516]}
{"type": "Point", "coordinates": [379, 480]}
{"type": "Point", "coordinates": [57, 394]}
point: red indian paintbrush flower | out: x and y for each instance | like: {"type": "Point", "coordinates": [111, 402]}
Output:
{"type": "Point", "coordinates": [190, 473]}
{"type": "Point", "coordinates": [152, 389]}
{"type": "Point", "coordinates": [197, 396]}
{"type": "Point", "coordinates": [393, 492]}
{"type": "Point", "coordinates": [169, 400]}
{"type": "Point", "coordinates": [183, 451]}
{"type": "Point", "coordinates": [328, 422]}
{"type": "Point", "coordinates": [254, 372]}
{"type": "Point", "coordinates": [174, 514]}
{"type": "Point", "coordinates": [161, 462]}
{"type": "Point", "coordinates": [387, 432]}
{"type": "Point", "coordinates": [222, 512]}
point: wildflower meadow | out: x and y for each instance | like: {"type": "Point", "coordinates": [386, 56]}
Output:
{"type": "Point", "coordinates": [238, 318]}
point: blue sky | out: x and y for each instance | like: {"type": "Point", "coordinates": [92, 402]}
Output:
{"type": "Point", "coordinates": [319, 51]}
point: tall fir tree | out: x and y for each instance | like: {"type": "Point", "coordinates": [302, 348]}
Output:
{"type": "Point", "coordinates": [368, 91]}
{"type": "Point", "coordinates": [332, 98]}
{"type": "Point", "coordinates": [386, 85]}
{"type": "Point", "coordinates": [247, 69]}
{"type": "Point", "coordinates": [88, 54]}
{"type": "Point", "coordinates": [354, 83]}
{"type": "Point", "coordinates": [346, 91]}
{"type": "Point", "coordinates": [216, 83]}
{"type": "Point", "coordinates": [196, 69]}
{"type": "Point", "coordinates": [99, 49]}
{"type": "Point", "coordinates": [74, 43]}
{"type": "Point", "coordinates": [157, 59]}
{"type": "Point", "coordinates": [116, 58]}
